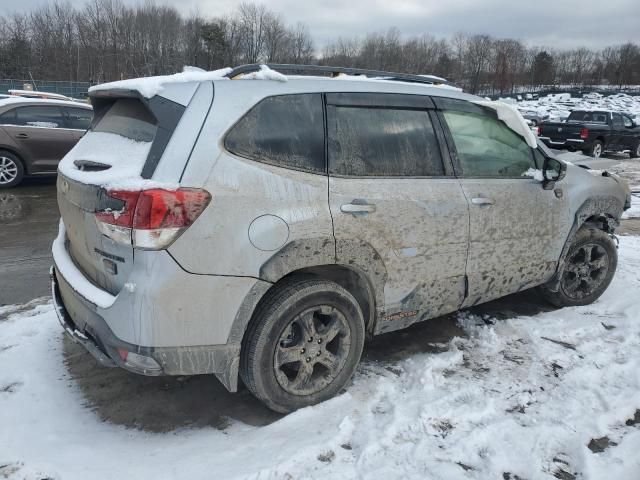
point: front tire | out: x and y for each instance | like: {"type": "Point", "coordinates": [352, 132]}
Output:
{"type": "Point", "coordinates": [11, 170]}
{"type": "Point", "coordinates": [302, 345]}
{"type": "Point", "coordinates": [587, 271]}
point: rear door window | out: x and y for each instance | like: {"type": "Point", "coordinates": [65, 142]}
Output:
{"type": "Point", "coordinates": [382, 142]}
{"type": "Point", "coordinates": [78, 118]}
{"type": "Point", "coordinates": [40, 116]}
{"type": "Point", "coordinates": [617, 120]}
{"type": "Point", "coordinates": [284, 130]}
{"type": "Point", "coordinates": [486, 147]}
{"type": "Point", "coordinates": [129, 118]}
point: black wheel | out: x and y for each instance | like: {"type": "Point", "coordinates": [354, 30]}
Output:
{"type": "Point", "coordinates": [595, 150]}
{"type": "Point", "coordinates": [635, 152]}
{"type": "Point", "coordinates": [587, 271]}
{"type": "Point", "coordinates": [11, 170]}
{"type": "Point", "coordinates": [303, 344]}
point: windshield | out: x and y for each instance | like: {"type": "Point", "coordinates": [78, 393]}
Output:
{"type": "Point", "coordinates": [591, 117]}
{"type": "Point", "coordinates": [129, 118]}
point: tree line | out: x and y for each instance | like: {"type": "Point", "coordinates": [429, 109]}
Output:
{"type": "Point", "coordinates": [106, 40]}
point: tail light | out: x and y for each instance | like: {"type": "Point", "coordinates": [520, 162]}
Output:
{"type": "Point", "coordinates": [584, 133]}
{"type": "Point", "coordinates": [152, 219]}
{"type": "Point", "coordinates": [539, 130]}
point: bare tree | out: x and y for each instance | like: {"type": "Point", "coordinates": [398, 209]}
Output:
{"type": "Point", "coordinates": [107, 40]}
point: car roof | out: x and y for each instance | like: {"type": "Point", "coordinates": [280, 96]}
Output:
{"type": "Point", "coordinates": [270, 82]}
{"type": "Point", "coordinates": [343, 83]}
{"type": "Point", "coordinates": [16, 101]}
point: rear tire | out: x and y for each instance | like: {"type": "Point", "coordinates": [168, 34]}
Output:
{"type": "Point", "coordinates": [587, 271]}
{"type": "Point", "coordinates": [11, 170]}
{"type": "Point", "coordinates": [303, 344]}
{"type": "Point", "coordinates": [635, 152]}
{"type": "Point", "coordinates": [595, 150]}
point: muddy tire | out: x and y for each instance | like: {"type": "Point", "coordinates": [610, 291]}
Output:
{"type": "Point", "coordinates": [587, 270]}
{"type": "Point", "coordinates": [302, 345]}
{"type": "Point", "coordinates": [11, 170]}
{"type": "Point", "coordinates": [595, 150]}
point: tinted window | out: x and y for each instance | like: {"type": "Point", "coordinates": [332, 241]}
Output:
{"type": "Point", "coordinates": [78, 118]}
{"type": "Point", "coordinates": [285, 130]}
{"type": "Point", "coordinates": [8, 117]}
{"type": "Point", "coordinates": [130, 118]}
{"type": "Point", "coordinates": [486, 147]}
{"type": "Point", "coordinates": [591, 117]}
{"type": "Point", "coordinates": [40, 116]}
{"type": "Point", "coordinates": [617, 120]}
{"type": "Point", "coordinates": [382, 142]}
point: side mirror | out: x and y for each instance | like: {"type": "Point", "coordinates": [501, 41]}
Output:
{"type": "Point", "coordinates": [552, 171]}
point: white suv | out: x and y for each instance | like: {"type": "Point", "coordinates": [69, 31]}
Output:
{"type": "Point", "coordinates": [252, 225]}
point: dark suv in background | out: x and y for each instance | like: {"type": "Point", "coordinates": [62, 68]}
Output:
{"type": "Point", "coordinates": [35, 134]}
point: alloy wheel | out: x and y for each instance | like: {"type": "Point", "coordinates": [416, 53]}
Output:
{"type": "Point", "coordinates": [8, 170]}
{"type": "Point", "coordinates": [312, 350]}
{"type": "Point", "coordinates": [585, 271]}
{"type": "Point", "coordinates": [597, 151]}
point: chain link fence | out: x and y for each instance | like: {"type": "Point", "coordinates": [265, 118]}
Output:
{"type": "Point", "coordinates": [70, 89]}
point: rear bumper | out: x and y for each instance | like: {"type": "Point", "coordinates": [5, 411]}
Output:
{"type": "Point", "coordinates": [577, 143]}
{"type": "Point", "coordinates": [91, 331]}
{"type": "Point", "coordinates": [70, 328]}
{"type": "Point", "coordinates": [166, 321]}
{"type": "Point", "coordinates": [86, 327]}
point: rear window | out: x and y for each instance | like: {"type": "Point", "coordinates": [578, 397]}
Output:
{"type": "Point", "coordinates": [285, 130]}
{"type": "Point", "coordinates": [129, 118]}
{"type": "Point", "coordinates": [591, 117]}
{"type": "Point", "coordinates": [79, 118]}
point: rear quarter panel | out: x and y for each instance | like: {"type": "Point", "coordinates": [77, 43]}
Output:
{"type": "Point", "coordinates": [292, 206]}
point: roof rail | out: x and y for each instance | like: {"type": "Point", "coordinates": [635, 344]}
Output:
{"type": "Point", "coordinates": [334, 71]}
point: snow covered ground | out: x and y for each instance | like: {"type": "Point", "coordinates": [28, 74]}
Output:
{"type": "Point", "coordinates": [551, 395]}
{"type": "Point", "coordinates": [559, 106]}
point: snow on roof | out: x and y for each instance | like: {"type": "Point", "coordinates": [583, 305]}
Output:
{"type": "Point", "coordinates": [38, 101]}
{"type": "Point", "coordinates": [152, 86]}
{"type": "Point", "coordinates": [265, 73]}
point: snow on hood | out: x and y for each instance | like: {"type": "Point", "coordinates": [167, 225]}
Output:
{"type": "Point", "coordinates": [512, 118]}
{"type": "Point", "coordinates": [152, 86]}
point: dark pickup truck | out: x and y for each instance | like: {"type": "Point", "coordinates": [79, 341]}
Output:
{"type": "Point", "coordinates": [593, 132]}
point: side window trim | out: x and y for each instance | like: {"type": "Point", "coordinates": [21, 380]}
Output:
{"type": "Point", "coordinates": [452, 146]}
{"type": "Point", "coordinates": [380, 100]}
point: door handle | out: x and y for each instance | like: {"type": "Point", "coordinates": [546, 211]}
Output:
{"type": "Point", "coordinates": [22, 135]}
{"type": "Point", "coordinates": [355, 208]}
{"type": "Point", "coordinates": [482, 201]}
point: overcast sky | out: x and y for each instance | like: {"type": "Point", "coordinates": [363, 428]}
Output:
{"type": "Point", "coordinates": [552, 23]}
